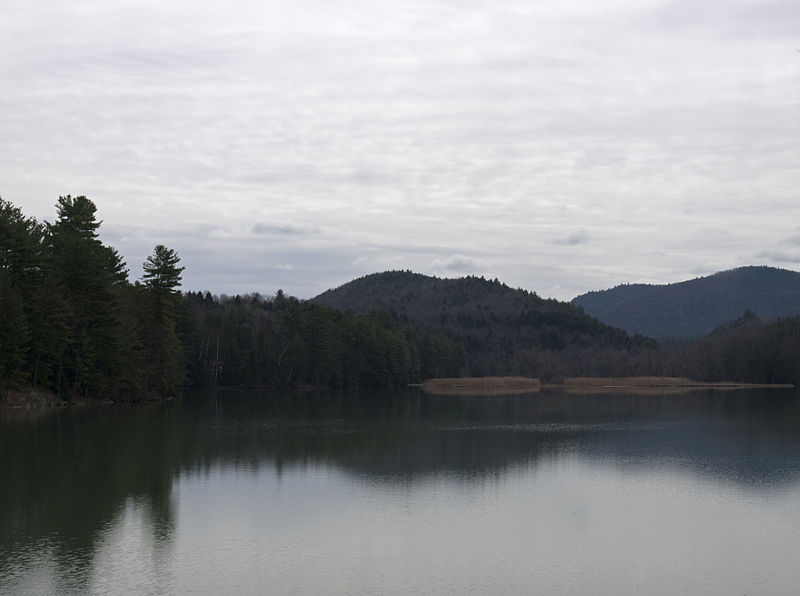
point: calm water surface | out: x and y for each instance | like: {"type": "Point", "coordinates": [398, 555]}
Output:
{"type": "Point", "coordinates": [401, 493]}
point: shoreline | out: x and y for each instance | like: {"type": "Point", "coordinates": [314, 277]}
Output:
{"type": "Point", "coordinates": [589, 385]}
{"type": "Point", "coordinates": [39, 399]}
{"type": "Point", "coordinates": [14, 399]}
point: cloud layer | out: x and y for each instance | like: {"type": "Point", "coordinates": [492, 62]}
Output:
{"type": "Point", "coordinates": [560, 146]}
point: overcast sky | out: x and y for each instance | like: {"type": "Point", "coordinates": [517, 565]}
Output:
{"type": "Point", "coordinates": [561, 146]}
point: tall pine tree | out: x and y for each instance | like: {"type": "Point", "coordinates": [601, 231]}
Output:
{"type": "Point", "coordinates": [161, 279]}
{"type": "Point", "coordinates": [14, 334]}
{"type": "Point", "coordinates": [19, 263]}
{"type": "Point", "coordinates": [90, 277]}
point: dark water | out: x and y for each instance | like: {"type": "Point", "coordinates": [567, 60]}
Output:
{"type": "Point", "coordinates": [400, 493]}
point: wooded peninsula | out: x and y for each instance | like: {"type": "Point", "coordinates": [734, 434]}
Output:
{"type": "Point", "coordinates": [75, 327]}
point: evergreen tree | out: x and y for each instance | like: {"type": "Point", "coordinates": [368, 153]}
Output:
{"type": "Point", "coordinates": [162, 276]}
{"type": "Point", "coordinates": [20, 247]}
{"type": "Point", "coordinates": [13, 334]}
{"type": "Point", "coordinates": [161, 279]}
{"type": "Point", "coordinates": [20, 252]}
{"type": "Point", "coordinates": [90, 277]}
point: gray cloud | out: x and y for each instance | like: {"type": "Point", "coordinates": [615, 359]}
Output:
{"type": "Point", "coordinates": [793, 239]}
{"type": "Point", "coordinates": [779, 257]}
{"type": "Point", "coordinates": [282, 230]}
{"type": "Point", "coordinates": [343, 138]}
{"type": "Point", "coordinates": [578, 237]}
{"type": "Point", "coordinates": [767, 18]}
{"type": "Point", "coordinates": [457, 263]}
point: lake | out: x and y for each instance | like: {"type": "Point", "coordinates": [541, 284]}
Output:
{"type": "Point", "coordinates": [404, 493]}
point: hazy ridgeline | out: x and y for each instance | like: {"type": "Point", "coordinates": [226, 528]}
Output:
{"type": "Point", "coordinates": [72, 323]}
{"type": "Point", "coordinates": [697, 307]}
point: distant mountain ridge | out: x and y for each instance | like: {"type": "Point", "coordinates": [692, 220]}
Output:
{"type": "Point", "coordinates": [696, 307]}
{"type": "Point", "coordinates": [502, 330]}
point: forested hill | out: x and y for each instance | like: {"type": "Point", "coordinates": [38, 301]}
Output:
{"type": "Point", "coordinates": [503, 330]}
{"type": "Point", "coordinates": [696, 307]}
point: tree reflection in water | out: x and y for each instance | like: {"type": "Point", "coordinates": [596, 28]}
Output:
{"type": "Point", "coordinates": [71, 475]}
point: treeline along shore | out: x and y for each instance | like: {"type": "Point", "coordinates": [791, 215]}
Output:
{"type": "Point", "coordinates": [74, 327]}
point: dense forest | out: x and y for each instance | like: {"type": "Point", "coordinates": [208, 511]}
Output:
{"type": "Point", "coordinates": [254, 341]}
{"type": "Point", "coordinates": [71, 322]}
{"type": "Point", "coordinates": [74, 325]}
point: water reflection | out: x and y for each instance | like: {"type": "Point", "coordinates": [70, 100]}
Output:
{"type": "Point", "coordinates": [747, 437]}
{"type": "Point", "coordinates": [81, 485]}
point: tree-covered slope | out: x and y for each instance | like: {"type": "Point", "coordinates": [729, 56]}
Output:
{"type": "Point", "coordinates": [501, 329]}
{"type": "Point", "coordinates": [696, 307]}
{"type": "Point", "coordinates": [71, 322]}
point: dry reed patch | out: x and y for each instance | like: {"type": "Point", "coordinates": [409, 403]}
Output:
{"type": "Point", "coordinates": [481, 385]}
{"type": "Point", "coordinates": [631, 382]}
